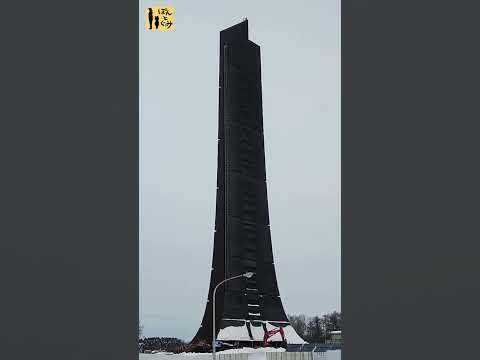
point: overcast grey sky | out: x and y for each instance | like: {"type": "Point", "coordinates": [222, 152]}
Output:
{"type": "Point", "coordinates": [300, 51]}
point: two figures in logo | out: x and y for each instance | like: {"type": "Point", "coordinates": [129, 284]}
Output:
{"type": "Point", "coordinates": [150, 19]}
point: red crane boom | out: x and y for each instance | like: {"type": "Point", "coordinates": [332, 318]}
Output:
{"type": "Point", "coordinates": [272, 332]}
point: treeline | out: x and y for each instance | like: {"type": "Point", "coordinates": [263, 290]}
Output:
{"type": "Point", "coordinates": [316, 329]}
{"type": "Point", "coordinates": [159, 343]}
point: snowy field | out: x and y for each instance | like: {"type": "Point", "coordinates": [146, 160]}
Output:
{"type": "Point", "coordinates": [259, 354]}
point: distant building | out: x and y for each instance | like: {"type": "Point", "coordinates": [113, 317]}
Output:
{"type": "Point", "coordinates": [335, 337]}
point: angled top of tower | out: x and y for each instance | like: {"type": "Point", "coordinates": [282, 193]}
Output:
{"type": "Point", "coordinates": [235, 32]}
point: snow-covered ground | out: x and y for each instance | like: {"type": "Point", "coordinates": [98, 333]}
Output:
{"type": "Point", "coordinates": [250, 350]}
{"type": "Point", "coordinates": [240, 333]}
{"type": "Point", "coordinates": [254, 354]}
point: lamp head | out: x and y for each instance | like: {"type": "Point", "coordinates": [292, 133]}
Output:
{"type": "Point", "coordinates": [249, 274]}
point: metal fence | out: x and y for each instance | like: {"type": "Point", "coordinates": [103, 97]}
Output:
{"type": "Point", "coordinates": [289, 356]}
{"type": "Point", "coordinates": [294, 352]}
{"type": "Point", "coordinates": [269, 356]}
{"type": "Point", "coordinates": [239, 356]}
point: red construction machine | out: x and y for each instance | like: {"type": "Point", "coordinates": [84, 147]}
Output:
{"type": "Point", "coordinates": [272, 332]}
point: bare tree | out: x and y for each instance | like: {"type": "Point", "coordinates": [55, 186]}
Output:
{"type": "Point", "coordinates": [299, 323]}
{"type": "Point", "coordinates": [315, 329]}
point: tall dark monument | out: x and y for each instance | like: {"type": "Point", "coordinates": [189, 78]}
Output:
{"type": "Point", "coordinates": [245, 308]}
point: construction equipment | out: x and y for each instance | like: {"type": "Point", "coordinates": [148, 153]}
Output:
{"type": "Point", "coordinates": [272, 332]}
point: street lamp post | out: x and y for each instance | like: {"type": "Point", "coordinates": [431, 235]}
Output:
{"type": "Point", "coordinates": [247, 275]}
